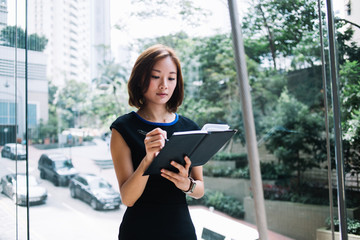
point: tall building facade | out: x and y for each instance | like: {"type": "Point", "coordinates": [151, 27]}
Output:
{"type": "Point", "coordinates": [12, 92]}
{"type": "Point", "coordinates": [13, 87]}
{"type": "Point", "coordinates": [100, 32]}
{"type": "Point", "coordinates": [3, 14]}
{"type": "Point", "coordinates": [73, 36]}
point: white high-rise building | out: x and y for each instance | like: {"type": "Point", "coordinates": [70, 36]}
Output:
{"type": "Point", "coordinates": [3, 14]}
{"type": "Point", "coordinates": [100, 32]}
{"type": "Point", "coordinates": [69, 26]}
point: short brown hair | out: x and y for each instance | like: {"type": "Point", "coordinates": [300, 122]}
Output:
{"type": "Point", "coordinates": [140, 77]}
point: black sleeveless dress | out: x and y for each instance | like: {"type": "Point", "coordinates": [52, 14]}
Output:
{"type": "Point", "coordinates": [161, 212]}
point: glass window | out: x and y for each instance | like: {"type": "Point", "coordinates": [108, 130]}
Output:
{"type": "Point", "coordinates": [7, 113]}
{"type": "Point", "coordinates": [32, 116]}
{"type": "Point", "coordinates": [79, 61]}
{"type": "Point", "coordinates": [4, 113]}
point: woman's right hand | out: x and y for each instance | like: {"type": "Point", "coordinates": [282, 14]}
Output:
{"type": "Point", "coordinates": [154, 142]}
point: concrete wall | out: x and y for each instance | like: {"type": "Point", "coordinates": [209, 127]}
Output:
{"type": "Point", "coordinates": [238, 188]}
{"type": "Point", "coordinates": [235, 187]}
{"type": "Point", "coordinates": [323, 234]}
{"type": "Point", "coordinates": [295, 220]}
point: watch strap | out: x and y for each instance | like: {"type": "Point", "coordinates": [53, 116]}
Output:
{"type": "Point", "coordinates": [192, 186]}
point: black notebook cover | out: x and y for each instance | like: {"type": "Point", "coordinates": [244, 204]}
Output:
{"type": "Point", "coordinates": [199, 146]}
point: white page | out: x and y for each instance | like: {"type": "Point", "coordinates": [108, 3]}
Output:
{"type": "Point", "coordinates": [213, 127]}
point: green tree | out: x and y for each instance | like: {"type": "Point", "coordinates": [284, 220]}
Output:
{"type": "Point", "coordinates": [110, 98]}
{"type": "Point", "coordinates": [71, 100]}
{"type": "Point", "coordinates": [217, 70]}
{"type": "Point", "coordinates": [266, 87]}
{"type": "Point", "coordinates": [296, 135]}
{"type": "Point", "coordinates": [274, 28]}
{"type": "Point", "coordinates": [306, 86]}
{"type": "Point", "coordinates": [53, 121]}
{"type": "Point", "coordinates": [47, 129]}
{"type": "Point", "coordinates": [104, 109]}
{"type": "Point", "coordinates": [15, 36]}
{"type": "Point", "coordinates": [112, 77]}
{"type": "Point", "coordinates": [350, 99]}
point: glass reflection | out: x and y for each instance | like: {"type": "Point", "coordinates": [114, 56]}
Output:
{"type": "Point", "coordinates": [77, 86]}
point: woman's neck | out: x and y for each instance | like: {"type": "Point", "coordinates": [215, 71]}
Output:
{"type": "Point", "coordinates": [156, 115]}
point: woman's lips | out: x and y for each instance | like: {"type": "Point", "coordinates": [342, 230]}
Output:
{"type": "Point", "coordinates": [162, 94]}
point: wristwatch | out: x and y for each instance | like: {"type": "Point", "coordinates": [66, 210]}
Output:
{"type": "Point", "coordinates": [192, 186]}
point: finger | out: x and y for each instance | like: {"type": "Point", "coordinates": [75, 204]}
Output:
{"type": "Point", "coordinates": [182, 170]}
{"type": "Point", "coordinates": [165, 134]}
{"type": "Point", "coordinates": [177, 165]}
{"type": "Point", "coordinates": [155, 131]}
{"type": "Point", "coordinates": [168, 173]}
{"type": "Point", "coordinates": [168, 177]}
{"type": "Point", "coordinates": [172, 176]}
{"type": "Point", "coordinates": [156, 141]}
{"type": "Point", "coordinates": [153, 137]}
{"type": "Point", "coordinates": [158, 131]}
{"type": "Point", "coordinates": [180, 182]}
{"type": "Point", "coordinates": [187, 162]}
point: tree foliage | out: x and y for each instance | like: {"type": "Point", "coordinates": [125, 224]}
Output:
{"type": "Point", "coordinates": [111, 78]}
{"type": "Point", "coordinates": [273, 29]}
{"type": "Point", "coordinates": [50, 128]}
{"type": "Point", "coordinates": [71, 101]}
{"type": "Point", "coordinates": [12, 36]}
{"type": "Point", "coordinates": [296, 139]}
{"type": "Point", "coordinates": [350, 99]}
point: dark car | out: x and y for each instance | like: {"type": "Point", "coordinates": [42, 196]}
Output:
{"type": "Point", "coordinates": [95, 191]}
{"type": "Point", "coordinates": [14, 186]}
{"type": "Point", "coordinates": [14, 151]}
{"type": "Point", "coordinates": [57, 168]}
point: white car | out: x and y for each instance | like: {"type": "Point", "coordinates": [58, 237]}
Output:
{"type": "Point", "coordinates": [14, 186]}
{"type": "Point", "coordinates": [14, 151]}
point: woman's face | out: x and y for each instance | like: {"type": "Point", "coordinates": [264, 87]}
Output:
{"type": "Point", "coordinates": [162, 82]}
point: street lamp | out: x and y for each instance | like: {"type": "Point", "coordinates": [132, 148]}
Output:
{"type": "Point", "coordinates": [6, 131]}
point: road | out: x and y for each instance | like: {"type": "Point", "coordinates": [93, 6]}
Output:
{"type": "Point", "coordinates": [62, 217]}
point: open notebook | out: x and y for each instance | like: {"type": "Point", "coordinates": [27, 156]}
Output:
{"type": "Point", "coordinates": [199, 145]}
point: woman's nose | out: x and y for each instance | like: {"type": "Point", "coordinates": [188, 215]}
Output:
{"type": "Point", "coordinates": [163, 84]}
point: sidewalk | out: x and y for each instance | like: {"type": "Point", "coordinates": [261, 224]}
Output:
{"type": "Point", "coordinates": [226, 226]}
{"type": "Point", "coordinates": [8, 222]}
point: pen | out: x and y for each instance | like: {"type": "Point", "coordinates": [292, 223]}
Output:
{"type": "Point", "coordinates": [144, 133]}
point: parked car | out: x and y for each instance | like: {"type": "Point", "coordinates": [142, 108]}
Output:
{"type": "Point", "coordinates": [14, 151]}
{"type": "Point", "coordinates": [95, 191]}
{"type": "Point", "coordinates": [14, 186]}
{"type": "Point", "coordinates": [57, 168]}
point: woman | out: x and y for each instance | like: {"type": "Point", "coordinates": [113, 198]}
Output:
{"type": "Point", "coordinates": [156, 204]}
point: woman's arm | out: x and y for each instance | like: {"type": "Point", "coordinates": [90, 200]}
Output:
{"type": "Point", "coordinates": [132, 183]}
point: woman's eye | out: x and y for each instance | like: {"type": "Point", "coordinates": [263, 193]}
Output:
{"type": "Point", "coordinates": [155, 77]}
{"type": "Point", "coordinates": [172, 79]}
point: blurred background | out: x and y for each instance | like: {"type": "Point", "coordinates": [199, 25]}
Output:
{"type": "Point", "coordinates": [64, 67]}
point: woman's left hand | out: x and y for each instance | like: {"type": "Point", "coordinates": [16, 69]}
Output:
{"type": "Point", "coordinates": [180, 179]}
